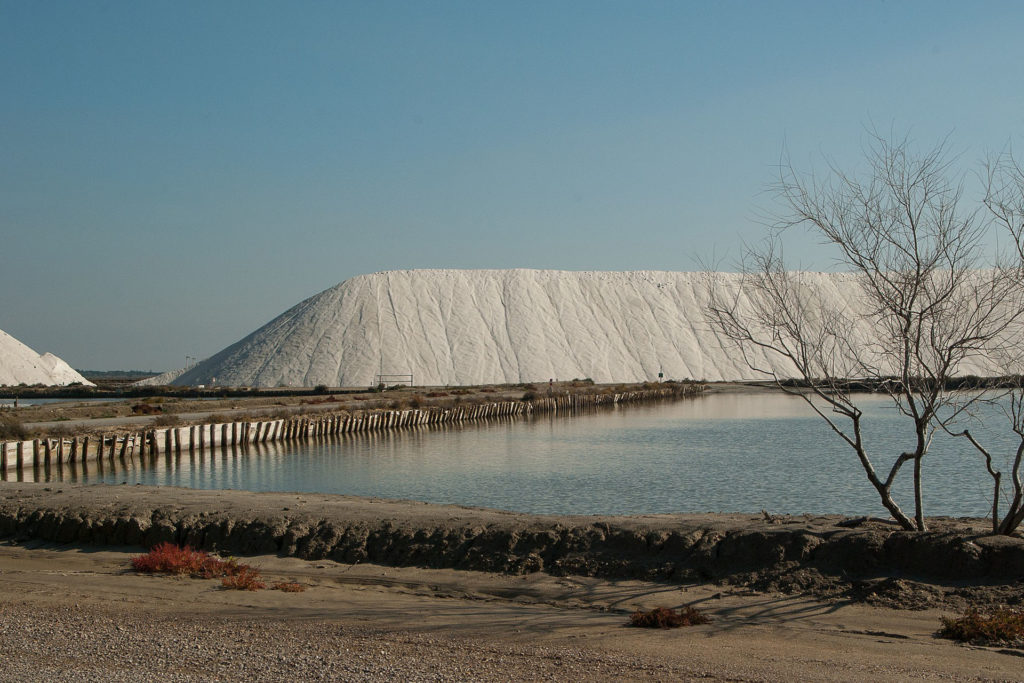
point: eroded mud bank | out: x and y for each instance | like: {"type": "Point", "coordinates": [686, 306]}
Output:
{"type": "Point", "coordinates": [811, 553]}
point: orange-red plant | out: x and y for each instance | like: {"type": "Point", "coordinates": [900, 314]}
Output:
{"type": "Point", "coordinates": [665, 617]}
{"type": "Point", "coordinates": [167, 558]}
{"type": "Point", "coordinates": [245, 579]}
{"type": "Point", "coordinates": [288, 587]}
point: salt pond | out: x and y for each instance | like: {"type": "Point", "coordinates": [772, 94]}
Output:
{"type": "Point", "coordinates": [718, 453]}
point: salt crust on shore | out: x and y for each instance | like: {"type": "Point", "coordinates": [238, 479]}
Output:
{"type": "Point", "coordinates": [506, 326]}
{"type": "Point", "coordinates": [21, 365]}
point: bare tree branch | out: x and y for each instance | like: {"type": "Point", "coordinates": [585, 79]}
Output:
{"type": "Point", "coordinates": [924, 305]}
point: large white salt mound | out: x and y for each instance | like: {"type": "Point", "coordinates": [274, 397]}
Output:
{"type": "Point", "coordinates": [490, 326]}
{"type": "Point", "coordinates": [21, 365]}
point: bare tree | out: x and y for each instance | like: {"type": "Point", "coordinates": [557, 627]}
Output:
{"type": "Point", "coordinates": [922, 307]}
{"type": "Point", "coordinates": [1004, 199]}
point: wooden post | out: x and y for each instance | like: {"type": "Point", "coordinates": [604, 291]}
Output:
{"type": "Point", "coordinates": [202, 437]}
{"type": "Point", "coordinates": [177, 440]}
{"type": "Point", "coordinates": [36, 455]}
{"type": "Point", "coordinates": [124, 447]}
{"type": "Point", "coordinates": [192, 439]}
{"type": "Point", "coordinates": [20, 455]}
{"type": "Point", "coordinates": [113, 446]}
{"type": "Point", "coordinates": [73, 455]}
{"type": "Point", "coordinates": [3, 457]}
{"type": "Point", "coordinates": [85, 447]}
{"type": "Point", "coordinates": [224, 435]}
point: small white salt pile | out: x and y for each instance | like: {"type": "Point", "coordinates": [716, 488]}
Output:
{"type": "Point", "coordinates": [21, 365]}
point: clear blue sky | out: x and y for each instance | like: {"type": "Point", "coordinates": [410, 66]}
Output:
{"type": "Point", "coordinates": [175, 174]}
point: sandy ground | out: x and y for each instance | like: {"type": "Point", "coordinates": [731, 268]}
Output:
{"type": "Point", "coordinates": [73, 613]}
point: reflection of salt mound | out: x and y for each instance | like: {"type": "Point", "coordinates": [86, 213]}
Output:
{"type": "Point", "coordinates": [21, 365]}
{"type": "Point", "coordinates": [483, 326]}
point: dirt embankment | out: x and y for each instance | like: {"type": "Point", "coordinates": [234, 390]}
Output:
{"type": "Point", "coordinates": [826, 556]}
{"type": "Point", "coordinates": [123, 416]}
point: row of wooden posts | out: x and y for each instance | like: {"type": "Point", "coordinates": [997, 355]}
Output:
{"type": "Point", "coordinates": [47, 451]}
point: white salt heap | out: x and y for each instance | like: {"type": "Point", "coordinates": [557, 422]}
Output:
{"type": "Point", "coordinates": [160, 380]}
{"type": "Point", "coordinates": [498, 326]}
{"type": "Point", "coordinates": [21, 365]}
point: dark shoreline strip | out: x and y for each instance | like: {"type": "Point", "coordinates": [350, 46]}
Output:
{"type": "Point", "coordinates": [674, 548]}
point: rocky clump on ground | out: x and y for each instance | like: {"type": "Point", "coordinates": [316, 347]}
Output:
{"type": "Point", "coordinates": [869, 560]}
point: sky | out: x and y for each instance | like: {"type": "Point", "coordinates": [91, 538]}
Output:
{"type": "Point", "coordinates": [173, 175]}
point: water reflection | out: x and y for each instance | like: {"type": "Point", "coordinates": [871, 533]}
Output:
{"type": "Point", "coordinates": [720, 453]}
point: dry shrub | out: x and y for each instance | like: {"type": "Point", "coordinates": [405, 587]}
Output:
{"type": "Point", "coordinates": [288, 587]}
{"type": "Point", "coordinates": [1001, 626]}
{"type": "Point", "coordinates": [12, 428]}
{"type": "Point", "coordinates": [246, 578]}
{"type": "Point", "coordinates": [436, 394]}
{"type": "Point", "coordinates": [60, 432]}
{"type": "Point", "coordinates": [167, 421]}
{"type": "Point", "coordinates": [665, 617]}
{"type": "Point", "coordinates": [167, 558]}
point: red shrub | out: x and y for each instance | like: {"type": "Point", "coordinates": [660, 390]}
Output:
{"type": "Point", "coordinates": [167, 558]}
{"type": "Point", "coordinates": [288, 587]}
{"type": "Point", "coordinates": [244, 579]}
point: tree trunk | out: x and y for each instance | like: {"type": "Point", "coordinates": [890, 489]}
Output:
{"type": "Point", "coordinates": [918, 496]}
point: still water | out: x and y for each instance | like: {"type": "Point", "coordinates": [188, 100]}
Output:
{"type": "Point", "coordinates": [718, 453]}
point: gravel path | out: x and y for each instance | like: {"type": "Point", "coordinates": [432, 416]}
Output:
{"type": "Point", "coordinates": [78, 644]}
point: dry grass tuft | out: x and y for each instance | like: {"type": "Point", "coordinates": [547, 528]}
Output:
{"type": "Point", "coordinates": [665, 617]}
